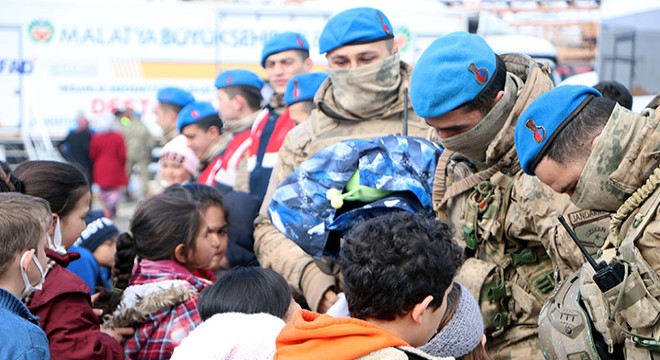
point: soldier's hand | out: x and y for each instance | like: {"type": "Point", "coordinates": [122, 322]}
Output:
{"type": "Point", "coordinates": [329, 298]}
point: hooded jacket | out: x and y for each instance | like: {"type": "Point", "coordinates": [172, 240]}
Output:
{"type": "Point", "coordinates": [328, 125]}
{"type": "Point", "coordinates": [65, 313]}
{"type": "Point", "coordinates": [315, 336]}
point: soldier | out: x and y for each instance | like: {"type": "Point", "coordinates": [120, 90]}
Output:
{"type": "Point", "coordinates": [283, 56]}
{"type": "Point", "coordinates": [239, 98]}
{"type": "Point", "coordinates": [170, 102]}
{"type": "Point", "coordinates": [200, 123]}
{"type": "Point", "coordinates": [364, 98]}
{"type": "Point", "coordinates": [505, 219]}
{"type": "Point", "coordinates": [605, 158]}
{"type": "Point", "coordinates": [299, 94]}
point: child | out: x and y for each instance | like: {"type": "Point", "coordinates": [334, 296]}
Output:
{"type": "Point", "coordinates": [64, 305]}
{"type": "Point", "coordinates": [397, 270]}
{"type": "Point", "coordinates": [246, 308]}
{"type": "Point", "coordinates": [24, 224]}
{"type": "Point", "coordinates": [178, 164]}
{"type": "Point", "coordinates": [461, 330]}
{"type": "Point", "coordinates": [171, 239]}
{"type": "Point", "coordinates": [96, 246]}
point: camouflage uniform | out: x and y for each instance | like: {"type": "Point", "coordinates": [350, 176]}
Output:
{"type": "Point", "coordinates": [328, 125]}
{"type": "Point", "coordinates": [507, 221]}
{"type": "Point", "coordinates": [624, 166]}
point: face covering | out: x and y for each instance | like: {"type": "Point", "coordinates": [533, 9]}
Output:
{"type": "Point", "coordinates": [367, 90]}
{"type": "Point", "coordinates": [29, 288]}
{"type": "Point", "coordinates": [474, 142]}
{"type": "Point", "coordinates": [56, 243]}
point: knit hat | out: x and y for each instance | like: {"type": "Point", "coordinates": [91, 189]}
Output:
{"type": "Point", "coordinates": [462, 333]}
{"type": "Point", "coordinates": [283, 42]}
{"type": "Point", "coordinates": [177, 149]}
{"type": "Point", "coordinates": [236, 77]}
{"type": "Point", "coordinates": [303, 87]}
{"type": "Point", "coordinates": [194, 112]}
{"type": "Point", "coordinates": [99, 229]}
{"type": "Point", "coordinates": [453, 70]}
{"type": "Point", "coordinates": [546, 117]}
{"type": "Point", "coordinates": [176, 96]}
{"type": "Point", "coordinates": [355, 26]}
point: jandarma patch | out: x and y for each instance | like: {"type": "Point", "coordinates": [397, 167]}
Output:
{"type": "Point", "coordinates": [295, 89]}
{"type": "Point", "coordinates": [229, 79]}
{"type": "Point", "coordinates": [480, 74]}
{"type": "Point", "coordinates": [385, 27]}
{"type": "Point", "coordinates": [539, 131]}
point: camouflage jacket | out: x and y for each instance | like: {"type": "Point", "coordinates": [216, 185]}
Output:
{"type": "Point", "coordinates": [329, 124]}
{"type": "Point", "coordinates": [624, 168]}
{"type": "Point", "coordinates": [508, 222]}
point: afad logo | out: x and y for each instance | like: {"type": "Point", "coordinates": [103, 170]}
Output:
{"type": "Point", "coordinates": [41, 31]}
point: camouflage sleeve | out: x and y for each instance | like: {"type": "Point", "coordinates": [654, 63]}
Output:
{"type": "Point", "coordinates": [242, 174]}
{"type": "Point", "coordinates": [532, 216]}
{"type": "Point", "coordinates": [276, 251]}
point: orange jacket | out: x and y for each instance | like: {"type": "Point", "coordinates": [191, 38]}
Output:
{"type": "Point", "coordinates": [318, 336]}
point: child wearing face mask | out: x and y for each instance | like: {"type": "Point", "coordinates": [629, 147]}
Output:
{"type": "Point", "coordinates": [24, 222]}
{"type": "Point", "coordinates": [64, 305]}
{"type": "Point", "coordinates": [169, 239]}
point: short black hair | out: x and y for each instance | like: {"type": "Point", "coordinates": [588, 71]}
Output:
{"type": "Point", "coordinates": [616, 92]}
{"type": "Point", "coordinates": [392, 262]}
{"type": "Point", "coordinates": [485, 100]}
{"type": "Point", "coordinates": [573, 143]}
{"type": "Point", "coordinates": [247, 290]}
{"type": "Point", "coordinates": [203, 195]}
{"type": "Point", "coordinates": [174, 107]}
{"type": "Point", "coordinates": [250, 93]}
{"type": "Point", "coordinates": [207, 122]}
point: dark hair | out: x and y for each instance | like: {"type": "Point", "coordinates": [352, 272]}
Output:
{"type": "Point", "coordinates": [204, 195]}
{"type": "Point", "coordinates": [485, 100]}
{"type": "Point", "coordinates": [573, 143]}
{"type": "Point", "coordinates": [207, 122]}
{"type": "Point", "coordinates": [392, 262]}
{"type": "Point", "coordinates": [248, 290]}
{"type": "Point", "coordinates": [61, 184]}
{"type": "Point", "coordinates": [9, 182]}
{"type": "Point", "coordinates": [250, 93]}
{"type": "Point", "coordinates": [170, 106]}
{"type": "Point", "coordinates": [158, 226]}
{"type": "Point", "coordinates": [304, 54]}
{"type": "Point", "coordinates": [616, 92]}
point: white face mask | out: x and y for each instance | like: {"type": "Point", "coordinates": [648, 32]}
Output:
{"type": "Point", "coordinates": [55, 244]}
{"type": "Point", "coordinates": [29, 288]}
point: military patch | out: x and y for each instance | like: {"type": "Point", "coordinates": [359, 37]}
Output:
{"type": "Point", "coordinates": [295, 89]}
{"type": "Point", "coordinates": [591, 227]}
{"type": "Point", "coordinates": [539, 131]}
{"type": "Point", "coordinates": [480, 74]}
{"type": "Point", "coordinates": [582, 355]}
{"type": "Point", "coordinates": [382, 22]}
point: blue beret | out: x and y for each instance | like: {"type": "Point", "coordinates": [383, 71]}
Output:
{"type": "Point", "coordinates": [453, 70]}
{"type": "Point", "coordinates": [355, 26]}
{"type": "Point", "coordinates": [176, 96]}
{"type": "Point", "coordinates": [303, 87]}
{"type": "Point", "coordinates": [195, 112]}
{"type": "Point", "coordinates": [546, 117]}
{"type": "Point", "coordinates": [283, 42]}
{"type": "Point", "coordinates": [238, 77]}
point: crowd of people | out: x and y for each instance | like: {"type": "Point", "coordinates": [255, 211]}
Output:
{"type": "Point", "coordinates": [464, 208]}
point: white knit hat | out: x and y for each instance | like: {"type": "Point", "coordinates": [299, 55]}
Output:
{"type": "Point", "coordinates": [462, 333]}
{"type": "Point", "coordinates": [177, 149]}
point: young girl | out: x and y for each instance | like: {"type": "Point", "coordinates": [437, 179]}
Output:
{"type": "Point", "coordinates": [171, 240]}
{"type": "Point", "coordinates": [243, 313]}
{"type": "Point", "coordinates": [64, 305]}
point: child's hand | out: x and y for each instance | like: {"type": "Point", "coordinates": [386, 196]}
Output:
{"type": "Point", "coordinates": [119, 333]}
{"type": "Point", "coordinates": [329, 298]}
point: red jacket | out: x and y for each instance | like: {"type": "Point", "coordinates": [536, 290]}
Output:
{"type": "Point", "coordinates": [65, 314]}
{"type": "Point", "coordinates": [108, 154]}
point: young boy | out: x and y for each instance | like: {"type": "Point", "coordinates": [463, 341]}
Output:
{"type": "Point", "coordinates": [397, 271]}
{"type": "Point", "coordinates": [24, 222]}
{"type": "Point", "coordinates": [96, 246]}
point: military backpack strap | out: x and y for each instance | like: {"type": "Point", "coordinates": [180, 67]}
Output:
{"type": "Point", "coordinates": [440, 177]}
{"type": "Point", "coordinates": [471, 181]}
